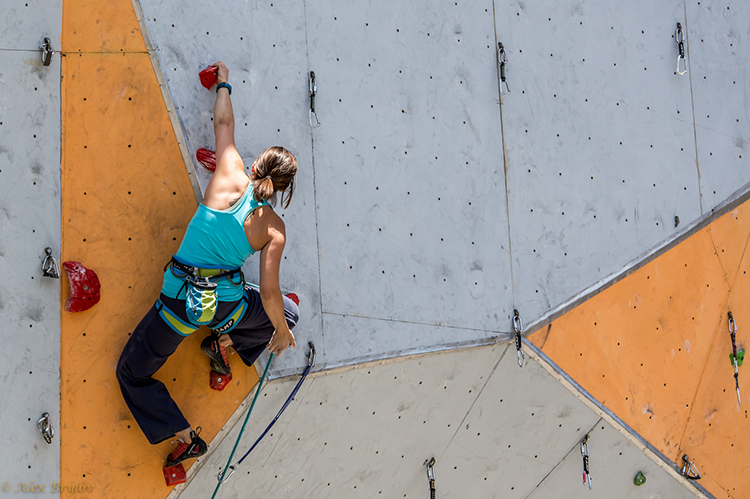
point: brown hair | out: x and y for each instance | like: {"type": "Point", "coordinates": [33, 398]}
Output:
{"type": "Point", "coordinates": [274, 172]}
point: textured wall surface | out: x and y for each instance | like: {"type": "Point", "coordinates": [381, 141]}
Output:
{"type": "Point", "coordinates": [654, 348]}
{"type": "Point", "coordinates": [494, 429]}
{"type": "Point", "coordinates": [126, 203]}
{"type": "Point", "coordinates": [403, 188]}
{"type": "Point", "coordinates": [29, 223]}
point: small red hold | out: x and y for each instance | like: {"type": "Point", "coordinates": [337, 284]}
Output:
{"type": "Point", "coordinates": [174, 474]}
{"type": "Point", "coordinates": [219, 381]}
{"type": "Point", "coordinates": [207, 158]}
{"type": "Point", "coordinates": [209, 76]}
{"type": "Point", "coordinates": [293, 297]}
{"type": "Point", "coordinates": [84, 287]}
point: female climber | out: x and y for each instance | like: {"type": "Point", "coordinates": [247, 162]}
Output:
{"type": "Point", "coordinates": [204, 285]}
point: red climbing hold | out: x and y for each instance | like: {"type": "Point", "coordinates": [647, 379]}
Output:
{"type": "Point", "coordinates": [219, 381]}
{"type": "Point", "coordinates": [84, 287]}
{"type": "Point", "coordinates": [209, 76]}
{"type": "Point", "coordinates": [293, 297]}
{"type": "Point", "coordinates": [207, 158]}
{"type": "Point", "coordinates": [174, 474]}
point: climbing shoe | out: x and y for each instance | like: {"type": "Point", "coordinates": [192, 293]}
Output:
{"type": "Point", "coordinates": [188, 451]}
{"type": "Point", "coordinates": [217, 353]}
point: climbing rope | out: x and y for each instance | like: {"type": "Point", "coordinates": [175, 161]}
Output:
{"type": "Point", "coordinates": [733, 332]}
{"type": "Point", "coordinates": [223, 476]}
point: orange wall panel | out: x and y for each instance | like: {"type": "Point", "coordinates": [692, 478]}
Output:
{"type": "Point", "coordinates": [654, 348]}
{"type": "Point", "coordinates": [127, 200]}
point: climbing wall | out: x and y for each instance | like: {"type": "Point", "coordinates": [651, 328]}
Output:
{"type": "Point", "coordinates": [494, 429]}
{"type": "Point", "coordinates": [127, 200]}
{"type": "Point", "coordinates": [29, 223]}
{"type": "Point", "coordinates": [654, 348]}
{"type": "Point", "coordinates": [410, 149]}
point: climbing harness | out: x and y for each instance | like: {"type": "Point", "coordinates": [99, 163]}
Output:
{"type": "Point", "coordinates": [223, 476]}
{"type": "Point", "coordinates": [518, 328]}
{"type": "Point", "coordinates": [680, 39]}
{"type": "Point", "coordinates": [201, 299]}
{"type": "Point", "coordinates": [733, 332]}
{"type": "Point", "coordinates": [49, 265]}
{"type": "Point", "coordinates": [585, 454]}
{"type": "Point", "coordinates": [45, 426]}
{"type": "Point", "coordinates": [430, 463]}
{"type": "Point", "coordinates": [502, 57]}
{"type": "Point", "coordinates": [313, 116]}
{"type": "Point", "coordinates": [46, 48]}
{"type": "Point", "coordinates": [689, 470]}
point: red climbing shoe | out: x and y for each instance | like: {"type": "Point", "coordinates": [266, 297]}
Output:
{"type": "Point", "coordinates": [293, 297]}
{"type": "Point", "coordinates": [188, 451]}
{"type": "Point", "coordinates": [207, 158]}
{"type": "Point", "coordinates": [217, 353]}
{"type": "Point", "coordinates": [84, 287]}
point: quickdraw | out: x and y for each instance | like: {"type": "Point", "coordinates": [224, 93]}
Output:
{"type": "Point", "coordinates": [224, 475]}
{"type": "Point", "coordinates": [502, 57]}
{"type": "Point", "coordinates": [49, 265]}
{"type": "Point", "coordinates": [680, 39]}
{"type": "Point", "coordinates": [45, 426]}
{"type": "Point", "coordinates": [689, 470]}
{"type": "Point", "coordinates": [430, 463]}
{"type": "Point", "coordinates": [46, 48]}
{"type": "Point", "coordinates": [585, 454]}
{"type": "Point", "coordinates": [733, 332]}
{"type": "Point", "coordinates": [313, 115]}
{"type": "Point", "coordinates": [518, 329]}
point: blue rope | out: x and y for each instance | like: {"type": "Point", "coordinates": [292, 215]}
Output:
{"type": "Point", "coordinates": [286, 404]}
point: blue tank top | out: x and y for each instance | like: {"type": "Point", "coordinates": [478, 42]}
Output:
{"type": "Point", "coordinates": [215, 239]}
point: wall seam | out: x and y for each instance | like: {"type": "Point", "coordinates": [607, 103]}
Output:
{"type": "Point", "coordinates": [692, 105]}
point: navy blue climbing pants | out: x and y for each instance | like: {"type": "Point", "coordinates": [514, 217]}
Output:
{"type": "Point", "coordinates": [153, 341]}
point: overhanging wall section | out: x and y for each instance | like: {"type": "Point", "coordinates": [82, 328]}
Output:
{"type": "Point", "coordinates": [29, 223]}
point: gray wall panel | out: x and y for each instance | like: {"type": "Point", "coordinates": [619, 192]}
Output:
{"type": "Point", "coordinates": [25, 23]}
{"type": "Point", "coordinates": [719, 58]}
{"type": "Point", "coordinates": [29, 222]}
{"type": "Point", "coordinates": [411, 187]}
{"type": "Point", "coordinates": [600, 143]}
{"type": "Point", "coordinates": [264, 48]}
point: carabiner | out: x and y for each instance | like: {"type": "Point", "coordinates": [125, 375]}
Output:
{"type": "Point", "coordinates": [226, 477]}
{"type": "Point", "coordinates": [502, 56]}
{"type": "Point", "coordinates": [732, 325]}
{"type": "Point", "coordinates": [45, 426]}
{"type": "Point", "coordinates": [430, 463]}
{"type": "Point", "coordinates": [680, 39]}
{"type": "Point", "coordinates": [312, 115]}
{"type": "Point", "coordinates": [49, 265]}
{"type": "Point", "coordinates": [518, 329]}
{"type": "Point", "coordinates": [689, 470]}
{"type": "Point", "coordinates": [311, 355]}
{"type": "Point", "coordinates": [585, 455]}
{"type": "Point", "coordinates": [46, 48]}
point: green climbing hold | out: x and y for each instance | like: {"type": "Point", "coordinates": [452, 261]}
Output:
{"type": "Point", "coordinates": [740, 357]}
{"type": "Point", "coordinates": [639, 479]}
